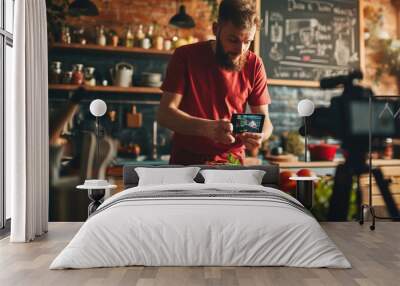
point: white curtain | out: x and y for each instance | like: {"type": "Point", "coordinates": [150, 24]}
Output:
{"type": "Point", "coordinates": [27, 124]}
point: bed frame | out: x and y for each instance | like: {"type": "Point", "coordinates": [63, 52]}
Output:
{"type": "Point", "coordinates": [270, 179]}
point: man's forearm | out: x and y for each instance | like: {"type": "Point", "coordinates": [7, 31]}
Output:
{"type": "Point", "coordinates": [181, 122]}
{"type": "Point", "coordinates": [267, 129]}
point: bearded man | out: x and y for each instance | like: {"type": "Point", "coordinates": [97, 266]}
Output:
{"type": "Point", "coordinates": [207, 82]}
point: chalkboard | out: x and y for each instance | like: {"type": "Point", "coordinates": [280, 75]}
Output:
{"type": "Point", "coordinates": [302, 41]}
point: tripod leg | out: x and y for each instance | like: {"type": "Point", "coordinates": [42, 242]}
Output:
{"type": "Point", "coordinates": [372, 227]}
{"type": "Point", "coordinates": [359, 199]}
{"type": "Point", "coordinates": [384, 189]}
{"type": "Point", "coordinates": [339, 202]}
{"type": "Point", "coordinates": [361, 215]}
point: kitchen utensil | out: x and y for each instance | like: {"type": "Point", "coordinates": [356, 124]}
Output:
{"type": "Point", "coordinates": [151, 77]}
{"type": "Point", "coordinates": [55, 72]}
{"type": "Point", "coordinates": [122, 74]}
{"type": "Point", "coordinates": [322, 152]}
{"type": "Point", "coordinates": [134, 119]}
{"type": "Point", "coordinates": [89, 76]}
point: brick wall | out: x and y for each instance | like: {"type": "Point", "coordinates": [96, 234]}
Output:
{"type": "Point", "coordinates": [387, 84]}
{"type": "Point", "coordinates": [118, 14]}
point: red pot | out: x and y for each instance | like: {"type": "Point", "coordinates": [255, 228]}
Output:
{"type": "Point", "coordinates": [322, 152]}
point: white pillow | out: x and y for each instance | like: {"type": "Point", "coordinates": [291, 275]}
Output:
{"type": "Point", "coordinates": [164, 176]}
{"type": "Point", "coordinates": [249, 177]}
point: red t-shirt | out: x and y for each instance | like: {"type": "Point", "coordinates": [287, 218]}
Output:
{"type": "Point", "coordinates": [212, 92]}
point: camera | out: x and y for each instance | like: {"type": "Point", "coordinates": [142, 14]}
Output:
{"type": "Point", "coordinates": [355, 117]}
{"type": "Point", "coordinates": [348, 116]}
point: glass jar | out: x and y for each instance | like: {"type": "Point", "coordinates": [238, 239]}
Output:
{"type": "Point", "coordinates": [167, 45]}
{"type": "Point", "coordinates": [146, 43]}
{"type": "Point", "coordinates": [158, 42]}
{"type": "Point", "coordinates": [388, 152]}
{"type": "Point", "coordinates": [77, 74]}
{"type": "Point", "coordinates": [79, 36]}
{"type": "Point", "coordinates": [67, 77]}
{"type": "Point", "coordinates": [90, 79]}
{"type": "Point", "coordinates": [55, 72]}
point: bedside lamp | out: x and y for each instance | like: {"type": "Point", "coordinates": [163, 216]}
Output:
{"type": "Point", "coordinates": [305, 108]}
{"type": "Point", "coordinates": [96, 188]}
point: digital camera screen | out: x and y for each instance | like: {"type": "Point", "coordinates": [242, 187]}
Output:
{"type": "Point", "coordinates": [385, 118]}
{"type": "Point", "coordinates": [248, 122]}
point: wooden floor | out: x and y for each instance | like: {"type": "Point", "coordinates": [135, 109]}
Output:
{"type": "Point", "coordinates": [375, 256]}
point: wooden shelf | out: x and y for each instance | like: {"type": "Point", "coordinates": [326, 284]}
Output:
{"type": "Point", "coordinates": [110, 49]}
{"type": "Point", "coordinates": [115, 89]}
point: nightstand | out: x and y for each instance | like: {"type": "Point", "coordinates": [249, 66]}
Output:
{"type": "Point", "coordinates": [96, 191]}
{"type": "Point", "coordinates": [305, 190]}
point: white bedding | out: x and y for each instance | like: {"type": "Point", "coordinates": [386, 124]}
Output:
{"type": "Point", "coordinates": [183, 231]}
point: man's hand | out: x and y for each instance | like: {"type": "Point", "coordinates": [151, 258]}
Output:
{"type": "Point", "coordinates": [220, 131]}
{"type": "Point", "coordinates": [251, 140]}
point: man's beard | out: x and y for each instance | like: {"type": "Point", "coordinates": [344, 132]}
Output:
{"type": "Point", "coordinates": [224, 59]}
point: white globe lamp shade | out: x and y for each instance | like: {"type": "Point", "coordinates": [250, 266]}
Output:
{"type": "Point", "coordinates": [305, 107]}
{"type": "Point", "coordinates": [98, 107]}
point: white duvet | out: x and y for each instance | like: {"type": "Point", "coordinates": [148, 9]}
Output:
{"type": "Point", "coordinates": [188, 231]}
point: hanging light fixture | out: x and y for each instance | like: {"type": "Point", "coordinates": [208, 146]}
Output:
{"type": "Point", "coordinates": [83, 7]}
{"type": "Point", "coordinates": [181, 19]}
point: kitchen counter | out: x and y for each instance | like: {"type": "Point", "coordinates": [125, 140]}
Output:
{"type": "Point", "coordinates": [327, 164]}
{"type": "Point", "coordinates": [116, 169]}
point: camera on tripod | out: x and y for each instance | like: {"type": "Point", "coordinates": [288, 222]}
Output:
{"type": "Point", "coordinates": [362, 123]}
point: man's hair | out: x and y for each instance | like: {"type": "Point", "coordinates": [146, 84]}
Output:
{"type": "Point", "coordinates": [242, 13]}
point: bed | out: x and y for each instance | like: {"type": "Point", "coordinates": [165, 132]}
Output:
{"type": "Point", "coordinates": [201, 224]}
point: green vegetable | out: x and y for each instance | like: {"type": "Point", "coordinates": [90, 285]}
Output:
{"type": "Point", "coordinates": [323, 193]}
{"type": "Point", "coordinates": [232, 160]}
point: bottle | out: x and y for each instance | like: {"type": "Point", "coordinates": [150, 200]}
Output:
{"type": "Point", "coordinates": [158, 40]}
{"type": "Point", "coordinates": [139, 36]}
{"type": "Point", "coordinates": [101, 37]}
{"type": "Point", "coordinates": [134, 119]}
{"type": "Point", "coordinates": [174, 41]}
{"type": "Point", "coordinates": [129, 38]}
{"type": "Point", "coordinates": [65, 35]}
{"type": "Point", "coordinates": [77, 75]}
{"type": "Point", "coordinates": [114, 40]}
{"type": "Point", "coordinates": [388, 152]}
{"type": "Point", "coordinates": [150, 34]}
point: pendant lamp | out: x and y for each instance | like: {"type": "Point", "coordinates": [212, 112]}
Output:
{"type": "Point", "coordinates": [83, 7]}
{"type": "Point", "coordinates": [181, 19]}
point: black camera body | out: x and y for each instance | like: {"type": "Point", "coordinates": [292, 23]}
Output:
{"type": "Point", "coordinates": [348, 116]}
